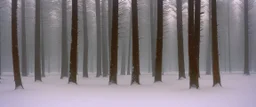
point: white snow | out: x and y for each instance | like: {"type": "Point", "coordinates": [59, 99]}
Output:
{"type": "Point", "coordinates": [237, 91]}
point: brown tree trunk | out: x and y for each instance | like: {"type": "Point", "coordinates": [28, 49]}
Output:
{"type": "Point", "coordinates": [135, 46]}
{"type": "Point", "coordinates": [37, 42]}
{"type": "Point", "coordinates": [15, 51]}
{"type": "Point", "coordinates": [114, 45]}
{"type": "Point", "coordinates": [192, 47]}
{"type": "Point", "coordinates": [180, 40]}
{"type": "Point", "coordinates": [73, 52]}
{"type": "Point", "coordinates": [159, 42]}
{"type": "Point", "coordinates": [215, 51]}
{"type": "Point", "coordinates": [197, 33]}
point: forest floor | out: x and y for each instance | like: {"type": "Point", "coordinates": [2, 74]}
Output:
{"type": "Point", "coordinates": [237, 91]}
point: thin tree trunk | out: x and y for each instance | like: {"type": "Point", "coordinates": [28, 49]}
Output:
{"type": "Point", "coordinates": [73, 52]}
{"type": "Point", "coordinates": [85, 61]}
{"type": "Point", "coordinates": [191, 45]}
{"type": "Point", "coordinates": [159, 42]}
{"type": "Point", "coordinates": [114, 45]}
{"type": "Point", "coordinates": [197, 32]}
{"type": "Point", "coordinates": [123, 58]}
{"type": "Point", "coordinates": [15, 51]}
{"type": "Point", "coordinates": [37, 42]}
{"type": "Point", "coordinates": [208, 56]}
{"type": "Point", "coordinates": [99, 49]}
{"type": "Point", "coordinates": [104, 40]}
{"type": "Point", "coordinates": [215, 51]}
{"type": "Point", "coordinates": [24, 49]}
{"type": "Point", "coordinates": [153, 35]}
{"type": "Point", "coordinates": [130, 50]}
{"type": "Point", "coordinates": [64, 45]}
{"type": "Point", "coordinates": [229, 43]}
{"type": "Point", "coordinates": [246, 39]}
{"type": "Point", "coordinates": [110, 11]}
{"type": "Point", "coordinates": [135, 46]}
{"type": "Point", "coordinates": [180, 40]}
{"type": "Point", "coordinates": [42, 49]}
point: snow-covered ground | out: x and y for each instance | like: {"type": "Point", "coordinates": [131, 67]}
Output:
{"type": "Point", "coordinates": [237, 91]}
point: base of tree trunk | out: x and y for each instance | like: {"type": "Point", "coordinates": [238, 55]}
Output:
{"type": "Point", "coordinates": [182, 77]}
{"type": "Point", "coordinates": [112, 83]}
{"type": "Point", "coordinates": [208, 73]}
{"type": "Point", "coordinates": [246, 73]}
{"type": "Point", "coordinates": [19, 87]}
{"type": "Point", "coordinates": [194, 86]}
{"type": "Point", "coordinates": [38, 81]}
{"type": "Point", "coordinates": [217, 85]}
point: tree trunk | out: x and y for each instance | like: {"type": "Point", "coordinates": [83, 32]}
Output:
{"type": "Point", "coordinates": [208, 55]}
{"type": "Point", "coordinates": [37, 43]}
{"type": "Point", "coordinates": [180, 40]}
{"type": "Point", "coordinates": [123, 58]}
{"type": "Point", "coordinates": [42, 49]}
{"type": "Point", "coordinates": [229, 43]}
{"type": "Point", "coordinates": [64, 45]}
{"type": "Point", "coordinates": [110, 11]}
{"type": "Point", "coordinates": [85, 61]}
{"type": "Point", "coordinates": [99, 53]}
{"type": "Point", "coordinates": [104, 40]}
{"type": "Point", "coordinates": [73, 53]}
{"type": "Point", "coordinates": [153, 35]}
{"type": "Point", "coordinates": [114, 45]}
{"type": "Point", "coordinates": [130, 50]}
{"type": "Point", "coordinates": [197, 32]}
{"type": "Point", "coordinates": [246, 39]}
{"type": "Point", "coordinates": [135, 46]}
{"type": "Point", "coordinates": [159, 42]}
{"type": "Point", "coordinates": [192, 47]}
{"type": "Point", "coordinates": [24, 49]}
{"type": "Point", "coordinates": [15, 51]}
{"type": "Point", "coordinates": [215, 51]}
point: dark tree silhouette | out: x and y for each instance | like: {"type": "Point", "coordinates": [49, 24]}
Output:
{"type": "Point", "coordinates": [197, 32]}
{"type": "Point", "coordinates": [73, 52]}
{"type": "Point", "coordinates": [159, 42]}
{"type": "Point", "coordinates": [37, 42]}
{"type": "Point", "coordinates": [24, 48]}
{"type": "Point", "coordinates": [180, 40]}
{"type": "Point", "coordinates": [114, 44]}
{"type": "Point", "coordinates": [246, 38]}
{"type": "Point", "coordinates": [215, 51]}
{"type": "Point", "coordinates": [99, 39]}
{"type": "Point", "coordinates": [85, 64]}
{"type": "Point", "coordinates": [135, 46]}
{"type": "Point", "coordinates": [15, 51]}
{"type": "Point", "coordinates": [193, 82]}
{"type": "Point", "coordinates": [64, 45]}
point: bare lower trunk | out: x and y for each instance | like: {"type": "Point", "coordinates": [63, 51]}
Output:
{"type": "Point", "coordinates": [215, 51]}
{"type": "Point", "coordinates": [73, 52]}
{"type": "Point", "coordinates": [85, 61]}
{"type": "Point", "coordinates": [37, 43]}
{"type": "Point", "coordinates": [197, 33]}
{"type": "Point", "coordinates": [246, 39]}
{"type": "Point", "coordinates": [64, 45]}
{"type": "Point", "coordinates": [209, 49]}
{"type": "Point", "coordinates": [15, 51]}
{"type": "Point", "coordinates": [42, 50]}
{"type": "Point", "coordinates": [114, 45]}
{"type": "Point", "coordinates": [24, 49]}
{"type": "Point", "coordinates": [153, 34]}
{"type": "Point", "coordinates": [104, 40]}
{"type": "Point", "coordinates": [99, 40]}
{"type": "Point", "coordinates": [159, 42]}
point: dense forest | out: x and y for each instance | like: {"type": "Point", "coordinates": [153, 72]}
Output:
{"type": "Point", "coordinates": [109, 38]}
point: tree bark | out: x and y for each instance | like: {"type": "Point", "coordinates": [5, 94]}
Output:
{"type": "Point", "coordinates": [153, 35]}
{"type": "Point", "coordinates": [197, 32]}
{"type": "Point", "coordinates": [105, 55]}
{"type": "Point", "coordinates": [42, 49]}
{"type": "Point", "coordinates": [135, 46]}
{"type": "Point", "coordinates": [85, 61]}
{"type": "Point", "coordinates": [192, 47]}
{"type": "Point", "coordinates": [114, 45]}
{"type": "Point", "coordinates": [246, 39]}
{"type": "Point", "coordinates": [37, 42]}
{"type": "Point", "coordinates": [159, 42]}
{"type": "Point", "coordinates": [229, 43]}
{"type": "Point", "coordinates": [64, 45]}
{"type": "Point", "coordinates": [15, 51]}
{"type": "Point", "coordinates": [24, 47]}
{"type": "Point", "coordinates": [215, 51]}
{"type": "Point", "coordinates": [99, 40]}
{"type": "Point", "coordinates": [180, 40]}
{"type": "Point", "coordinates": [73, 53]}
